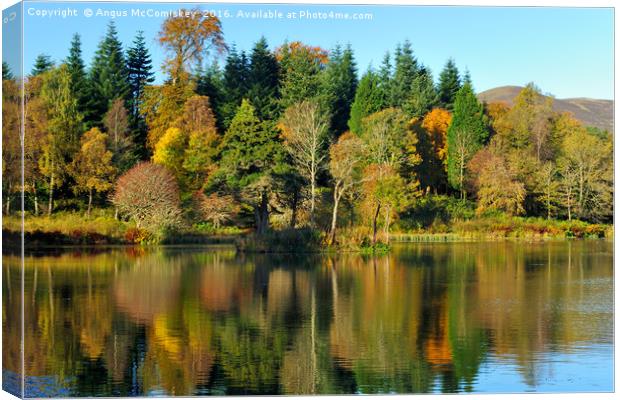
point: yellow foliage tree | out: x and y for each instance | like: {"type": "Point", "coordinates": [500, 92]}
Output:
{"type": "Point", "coordinates": [92, 168]}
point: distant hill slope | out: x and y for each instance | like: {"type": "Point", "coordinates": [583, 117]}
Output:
{"type": "Point", "coordinates": [591, 112]}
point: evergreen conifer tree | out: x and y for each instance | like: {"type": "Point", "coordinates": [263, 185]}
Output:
{"type": "Point", "coordinates": [449, 85]}
{"type": "Point", "coordinates": [42, 63]}
{"type": "Point", "coordinates": [368, 100]}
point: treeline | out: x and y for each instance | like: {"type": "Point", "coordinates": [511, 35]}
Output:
{"type": "Point", "coordinates": [288, 138]}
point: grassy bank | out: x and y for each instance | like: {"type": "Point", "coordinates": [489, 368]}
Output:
{"type": "Point", "coordinates": [102, 229]}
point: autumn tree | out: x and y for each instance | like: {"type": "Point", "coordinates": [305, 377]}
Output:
{"type": "Point", "coordinates": [586, 165]}
{"type": "Point", "coordinates": [435, 124]}
{"type": "Point", "coordinates": [385, 135]}
{"type": "Point", "coordinates": [198, 123]}
{"type": "Point", "coordinates": [217, 209]}
{"type": "Point", "coordinates": [64, 125]}
{"type": "Point", "coordinates": [11, 149]}
{"type": "Point", "coordinates": [188, 38]}
{"type": "Point", "coordinates": [466, 135]}
{"type": "Point", "coordinates": [495, 184]}
{"type": "Point", "coordinates": [116, 123]}
{"type": "Point", "coordinates": [346, 164]}
{"type": "Point", "coordinates": [149, 195]}
{"type": "Point", "coordinates": [161, 107]}
{"type": "Point", "coordinates": [92, 166]}
{"type": "Point", "coordinates": [305, 134]}
{"type": "Point", "coordinates": [170, 150]}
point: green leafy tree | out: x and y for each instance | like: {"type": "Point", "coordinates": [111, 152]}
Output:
{"type": "Point", "coordinates": [368, 100]}
{"type": "Point", "coordinates": [449, 85]}
{"type": "Point", "coordinates": [108, 77]}
{"type": "Point", "coordinates": [466, 135]}
{"type": "Point", "coordinates": [42, 63]}
{"type": "Point", "coordinates": [64, 127]}
{"type": "Point", "coordinates": [250, 151]}
{"type": "Point", "coordinates": [92, 166]}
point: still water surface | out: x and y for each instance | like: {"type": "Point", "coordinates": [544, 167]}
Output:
{"type": "Point", "coordinates": [459, 317]}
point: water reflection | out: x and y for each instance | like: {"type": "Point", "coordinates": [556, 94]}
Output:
{"type": "Point", "coordinates": [427, 318]}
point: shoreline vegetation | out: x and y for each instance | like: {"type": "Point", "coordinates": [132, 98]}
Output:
{"type": "Point", "coordinates": [288, 148]}
{"type": "Point", "coordinates": [101, 229]}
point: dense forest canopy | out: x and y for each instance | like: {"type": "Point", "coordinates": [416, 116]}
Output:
{"type": "Point", "coordinates": [285, 135]}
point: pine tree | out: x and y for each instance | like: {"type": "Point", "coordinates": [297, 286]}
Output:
{"type": "Point", "coordinates": [423, 96]}
{"type": "Point", "coordinates": [368, 100]}
{"type": "Point", "coordinates": [108, 76]}
{"type": "Point", "coordinates": [405, 71]}
{"type": "Point", "coordinates": [386, 81]}
{"type": "Point", "coordinates": [140, 74]}
{"type": "Point", "coordinates": [210, 83]}
{"type": "Point", "coordinates": [466, 135]}
{"type": "Point", "coordinates": [42, 63]}
{"type": "Point", "coordinates": [449, 85]}
{"type": "Point", "coordinates": [301, 66]}
{"type": "Point", "coordinates": [251, 151]}
{"type": "Point", "coordinates": [263, 81]}
{"type": "Point", "coordinates": [75, 65]}
{"type": "Point", "coordinates": [7, 75]}
{"type": "Point", "coordinates": [339, 86]}
{"type": "Point", "coordinates": [236, 77]}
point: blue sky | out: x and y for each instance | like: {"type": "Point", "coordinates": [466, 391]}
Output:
{"type": "Point", "coordinates": [567, 52]}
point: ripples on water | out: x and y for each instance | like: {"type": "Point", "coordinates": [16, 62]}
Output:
{"type": "Point", "coordinates": [479, 317]}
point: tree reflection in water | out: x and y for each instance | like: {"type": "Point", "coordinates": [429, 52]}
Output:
{"type": "Point", "coordinates": [426, 318]}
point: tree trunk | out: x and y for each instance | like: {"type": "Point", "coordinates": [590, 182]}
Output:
{"type": "Point", "coordinates": [36, 199]}
{"type": "Point", "coordinates": [8, 204]}
{"type": "Point", "coordinates": [90, 200]}
{"type": "Point", "coordinates": [374, 224]}
{"type": "Point", "coordinates": [51, 199]}
{"type": "Point", "coordinates": [262, 215]}
{"type": "Point", "coordinates": [386, 228]}
{"type": "Point", "coordinates": [294, 209]}
{"type": "Point", "coordinates": [461, 178]}
{"type": "Point", "coordinates": [312, 200]}
{"type": "Point", "coordinates": [332, 232]}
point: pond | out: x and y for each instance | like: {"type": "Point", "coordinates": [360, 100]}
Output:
{"type": "Point", "coordinates": [427, 318]}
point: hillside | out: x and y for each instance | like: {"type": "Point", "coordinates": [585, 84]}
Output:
{"type": "Point", "coordinates": [592, 112]}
